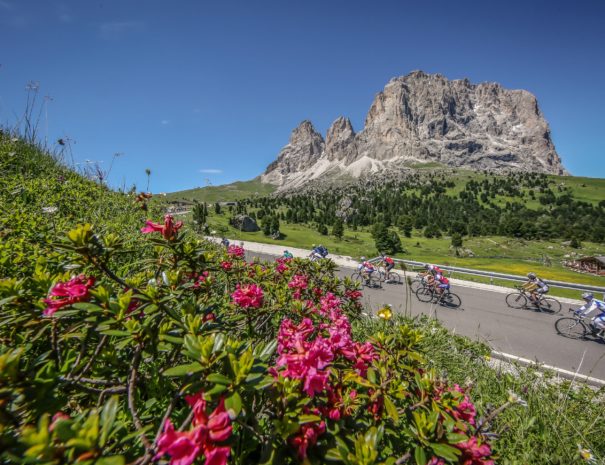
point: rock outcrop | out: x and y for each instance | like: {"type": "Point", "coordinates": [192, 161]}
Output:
{"type": "Point", "coordinates": [244, 223]}
{"type": "Point", "coordinates": [425, 118]}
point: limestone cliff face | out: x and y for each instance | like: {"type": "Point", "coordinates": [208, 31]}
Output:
{"type": "Point", "coordinates": [302, 152]}
{"type": "Point", "coordinates": [422, 118]}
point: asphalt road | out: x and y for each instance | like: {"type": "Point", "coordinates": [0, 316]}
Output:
{"type": "Point", "coordinates": [485, 316]}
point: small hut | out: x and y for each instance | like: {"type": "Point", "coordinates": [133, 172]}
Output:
{"type": "Point", "coordinates": [592, 265]}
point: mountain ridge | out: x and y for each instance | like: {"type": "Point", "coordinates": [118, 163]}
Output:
{"type": "Point", "coordinates": [424, 118]}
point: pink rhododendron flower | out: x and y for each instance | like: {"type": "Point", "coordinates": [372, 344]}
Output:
{"type": "Point", "coordinates": [200, 279]}
{"type": "Point", "coordinates": [185, 447]}
{"type": "Point", "coordinates": [226, 265]}
{"type": "Point", "coordinates": [68, 293]}
{"type": "Point", "coordinates": [298, 281]}
{"type": "Point", "coordinates": [248, 295]}
{"type": "Point", "coordinates": [57, 417]}
{"type": "Point", "coordinates": [465, 411]}
{"type": "Point", "coordinates": [329, 303]}
{"type": "Point", "coordinates": [168, 230]}
{"type": "Point", "coordinates": [307, 436]}
{"type": "Point", "coordinates": [353, 294]}
{"type": "Point", "coordinates": [281, 268]}
{"type": "Point", "coordinates": [474, 453]}
{"type": "Point", "coordinates": [436, 461]}
{"type": "Point", "coordinates": [235, 251]}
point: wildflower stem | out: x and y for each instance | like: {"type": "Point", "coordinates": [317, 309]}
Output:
{"type": "Point", "coordinates": [487, 420]}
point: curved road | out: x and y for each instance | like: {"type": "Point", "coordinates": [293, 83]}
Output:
{"type": "Point", "coordinates": [485, 316]}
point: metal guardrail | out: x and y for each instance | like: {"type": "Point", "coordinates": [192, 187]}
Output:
{"type": "Point", "coordinates": [493, 275]}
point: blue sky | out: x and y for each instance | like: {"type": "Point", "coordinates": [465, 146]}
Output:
{"type": "Point", "coordinates": [210, 91]}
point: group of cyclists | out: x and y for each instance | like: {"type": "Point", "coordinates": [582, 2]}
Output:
{"type": "Point", "coordinates": [434, 277]}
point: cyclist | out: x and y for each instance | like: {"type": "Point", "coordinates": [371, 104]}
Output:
{"type": "Point", "coordinates": [442, 283]}
{"type": "Point", "coordinates": [318, 252]}
{"type": "Point", "coordinates": [322, 251]}
{"type": "Point", "coordinates": [366, 268]}
{"type": "Point", "coordinates": [433, 269]}
{"type": "Point", "coordinates": [288, 254]}
{"type": "Point", "coordinates": [592, 304]}
{"type": "Point", "coordinates": [389, 264]}
{"type": "Point", "coordinates": [536, 288]}
{"type": "Point", "coordinates": [225, 242]}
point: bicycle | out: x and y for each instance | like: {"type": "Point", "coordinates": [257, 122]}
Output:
{"type": "Point", "coordinates": [576, 327]}
{"type": "Point", "coordinates": [368, 280]}
{"type": "Point", "coordinates": [391, 277]}
{"type": "Point", "coordinates": [446, 298]}
{"type": "Point", "coordinates": [521, 299]}
{"type": "Point", "coordinates": [419, 280]}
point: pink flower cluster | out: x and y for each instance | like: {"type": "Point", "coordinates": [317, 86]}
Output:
{"type": "Point", "coordinates": [282, 264]}
{"type": "Point", "coordinates": [168, 230]}
{"type": "Point", "coordinates": [247, 296]}
{"type": "Point", "coordinates": [208, 430]}
{"type": "Point", "coordinates": [307, 436]}
{"type": "Point", "coordinates": [299, 283]}
{"type": "Point", "coordinates": [68, 293]}
{"type": "Point", "coordinates": [473, 452]}
{"type": "Point", "coordinates": [306, 351]}
{"type": "Point", "coordinates": [200, 280]}
{"type": "Point", "coordinates": [226, 265]}
{"type": "Point", "coordinates": [235, 251]}
{"type": "Point", "coordinates": [353, 294]}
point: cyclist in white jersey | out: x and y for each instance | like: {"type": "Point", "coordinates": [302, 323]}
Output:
{"type": "Point", "coordinates": [590, 306]}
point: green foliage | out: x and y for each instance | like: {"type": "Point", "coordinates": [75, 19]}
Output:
{"type": "Point", "coordinates": [386, 241]}
{"type": "Point", "coordinates": [199, 215]}
{"type": "Point", "coordinates": [456, 240]}
{"type": "Point", "coordinates": [437, 202]}
{"type": "Point", "coordinates": [338, 229]}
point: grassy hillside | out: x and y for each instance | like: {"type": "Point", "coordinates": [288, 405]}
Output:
{"type": "Point", "coordinates": [40, 199]}
{"type": "Point", "coordinates": [225, 193]}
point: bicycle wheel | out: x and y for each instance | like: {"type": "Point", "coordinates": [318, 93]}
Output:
{"type": "Point", "coordinates": [393, 278]}
{"type": "Point", "coordinates": [357, 277]}
{"type": "Point", "coordinates": [424, 294]}
{"type": "Point", "coordinates": [375, 280]}
{"type": "Point", "coordinates": [571, 328]}
{"type": "Point", "coordinates": [550, 305]}
{"type": "Point", "coordinates": [415, 285]}
{"type": "Point", "coordinates": [450, 300]}
{"type": "Point", "coordinates": [516, 300]}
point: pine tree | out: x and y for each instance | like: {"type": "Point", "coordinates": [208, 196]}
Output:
{"type": "Point", "coordinates": [456, 240]}
{"type": "Point", "coordinates": [338, 229]}
{"type": "Point", "coordinates": [199, 216]}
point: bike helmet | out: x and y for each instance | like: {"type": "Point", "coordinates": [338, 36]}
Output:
{"type": "Point", "coordinates": [363, 259]}
{"type": "Point", "coordinates": [531, 275]}
{"type": "Point", "coordinates": [587, 296]}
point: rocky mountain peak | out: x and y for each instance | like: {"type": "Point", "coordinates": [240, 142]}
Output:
{"type": "Point", "coordinates": [305, 133]}
{"type": "Point", "coordinates": [340, 140]}
{"type": "Point", "coordinates": [425, 118]}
